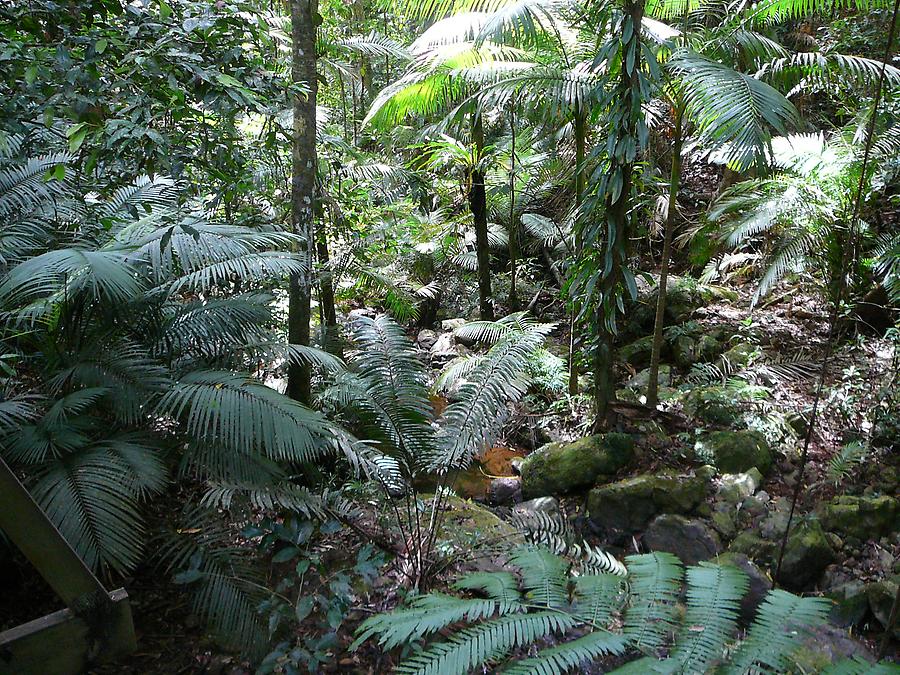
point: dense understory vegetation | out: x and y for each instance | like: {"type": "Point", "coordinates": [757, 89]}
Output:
{"type": "Point", "coordinates": [457, 336]}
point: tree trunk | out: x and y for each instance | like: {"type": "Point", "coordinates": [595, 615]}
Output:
{"type": "Point", "coordinates": [618, 203]}
{"type": "Point", "coordinates": [513, 225]}
{"type": "Point", "coordinates": [331, 339]}
{"type": "Point", "coordinates": [478, 204]}
{"type": "Point", "coordinates": [674, 185]}
{"type": "Point", "coordinates": [580, 142]}
{"type": "Point", "coordinates": [303, 185]}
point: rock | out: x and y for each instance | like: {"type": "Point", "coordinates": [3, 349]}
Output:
{"type": "Point", "coordinates": [452, 324]}
{"type": "Point", "coordinates": [444, 349]}
{"type": "Point", "coordinates": [881, 598]}
{"type": "Point", "coordinates": [691, 540]}
{"type": "Point", "coordinates": [710, 345]}
{"type": "Point", "coordinates": [825, 645]}
{"type": "Point", "coordinates": [426, 339]}
{"type": "Point", "coordinates": [516, 464]}
{"type": "Point", "coordinates": [754, 547]}
{"type": "Point", "coordinates": [714, 405]}
{"type": "Point", "coordinates": [548, 505]}
{"type": "Point", "coordinates": [738, 356]}
{"type": "Point", "coordinates": [760, 583]}
{"type": "Point", "coordinates": [362, 311]}
{"type": "Point", "coordinates": [683, 296]}
{"type": "Point", "coordinates": [707, 472]}
{"type": "Point", "coordinates": [637, 354]}
{"type": "Point", "coordinates": [685, 351]}
{"type": "Point", "coordinates": [806, 556]}
{"type": "Point", "coordinates": [735, 487]}
{"type": "Point", "coordinates": [505, 490]}
{"type": "Point", "coordinates": [623, 508]}
{"type": "Point", "coordinates": [642, 379]}
{"type": "Point", "coordinates": [798, 422]}
{"type": "Point", "coordinates": [862, 517]}
{"type": "Point", "coordinates": [563, 468]}
{"type": "Point", "coordinates": [724, 524]}
{"type": "Point", "coordinates": [735, 451]}
{"type": "Point", "coordinates": [851, 604]}
{"type": "Point", "coordinates": [466, 522]}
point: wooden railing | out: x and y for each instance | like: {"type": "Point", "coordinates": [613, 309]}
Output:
{"type": "Point", "coordinates": [96, 625]}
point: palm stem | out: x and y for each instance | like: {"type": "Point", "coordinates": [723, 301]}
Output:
{"type": "Point", "coordinates": [674, 184]}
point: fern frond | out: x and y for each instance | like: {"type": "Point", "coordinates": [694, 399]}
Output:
{"type": "Point", "coordinates": [544, 577]}
{"type": "Point", "coordinates": [654, 583]}
{"type": "Point", "coordinates": [487, 641]}
{"type": "Point", "coordinates": [775, 633]}
{"type": "Point", "coordinates": [244, 416]}
{"type": "Point", "coordinates": [568, 656]}
{"type": "Point", "coordinates": [714, 594]}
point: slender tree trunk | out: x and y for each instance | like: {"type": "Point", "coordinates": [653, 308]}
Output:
{"type": "Point", "coordinates": [580, 142]}
{"type": "Point", "coordinates": [478, 204]}
{"type": "Point", "coordinates": [618, 203]}
{"type": "Point", "coordinates": [674, 185]}
{"type": "Point", "coordinates": [513, 224]}
{"type": "Point", "coordinates": [303, 185]}
{"type": "Point", "coordinates": [331, 338]}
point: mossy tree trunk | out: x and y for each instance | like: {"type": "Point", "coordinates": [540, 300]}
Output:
{"type": "Point", "coordinates": [303, 184]}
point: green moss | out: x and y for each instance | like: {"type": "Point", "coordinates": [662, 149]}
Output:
{"type": "Point", "coordinates": [806, 556]}
{"type": "Point", "coordinates": [714, 405]}
{"type": "Point", "coordinates": [562, 468]}
{"type": "Point", "coordinates": [736, 451]}
{"type": "Point", "coordinates": [754, 547]}
{"type": "Point", "coordinates": [627, 506]}
{"type": "Point", "coordinates": [637, 353]}
{"type": "Point", "coordinates": [865, 518]}
{"type": "Point", "coordinates": [466, 525]}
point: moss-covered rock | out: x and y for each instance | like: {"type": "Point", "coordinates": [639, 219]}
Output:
{"type": "Point", "coordinates": [467, 524]}
{"type": "Point", "coordinates": [711, 344]}
{"type": "Point", "coordinates": [625, 507]}
{"type": "Point", "coordinates": [754, 547]}
{"type": "Point", "coordinates": [641, 380]}
{"type": "Point", "coordinates": [637, 353]}
{"type": "Point", "coordinates": [685, 351]}
{"type": "Point", "coordinates": [806, 556]}
{"type": "Point", "coordinates": [562, 468]}
{"type": "Point", "coordinates": [690, 539]}
{"type": "Point", "coordinates": [737, 357]}
{"type": "Point", "coordinates": [881, 598]}
{"type": "Point", "coordinates": [735, 451]}
{"type": "Point", "coordinates": [851, 604]}
{"type": "Point", "coordinates": [734, 488]}
{"type": "Point", "coordinates": [862, 517]}
{"type": "Point", "coordinates": [714, 405]}
{"type": "Point", "coordinates": [683, 296]}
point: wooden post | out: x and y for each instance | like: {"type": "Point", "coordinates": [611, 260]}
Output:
{"type": "Point", "coordinates": [97, 625]}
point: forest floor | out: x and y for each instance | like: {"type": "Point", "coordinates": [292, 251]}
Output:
{"type": "Point", "coordinates": [791, 328]}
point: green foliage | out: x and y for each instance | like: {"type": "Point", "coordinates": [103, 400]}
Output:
{"type": "Point", "coordinates": [581, 612]}
{"type": "Point", "coordinates": [133, 349]}
{"type": "Point", "coordinates": [803, 209]}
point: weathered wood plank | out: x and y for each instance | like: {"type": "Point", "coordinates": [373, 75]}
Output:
{"type": "Point", "coordinates": [65, 644]}
{"type": "Point", "coordinates": [36, 536]}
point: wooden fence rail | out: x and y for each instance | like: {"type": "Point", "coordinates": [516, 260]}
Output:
{"type": "Point", "coordinates": [96, 625]}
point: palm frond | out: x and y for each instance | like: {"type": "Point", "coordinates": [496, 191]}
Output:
{"type": "Point", "coordinates": [231, 410]}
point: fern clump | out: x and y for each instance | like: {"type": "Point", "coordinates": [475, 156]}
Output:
{"type": "Point", "coordinates": [507, 620]}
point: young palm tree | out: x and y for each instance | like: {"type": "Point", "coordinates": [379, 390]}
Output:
{"type": "Point", "coordinates": [804, 207]}
{"type": "Point", "coordinates": [136, 349]}
{"type": "Point", "coordinates": [384, 398]}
